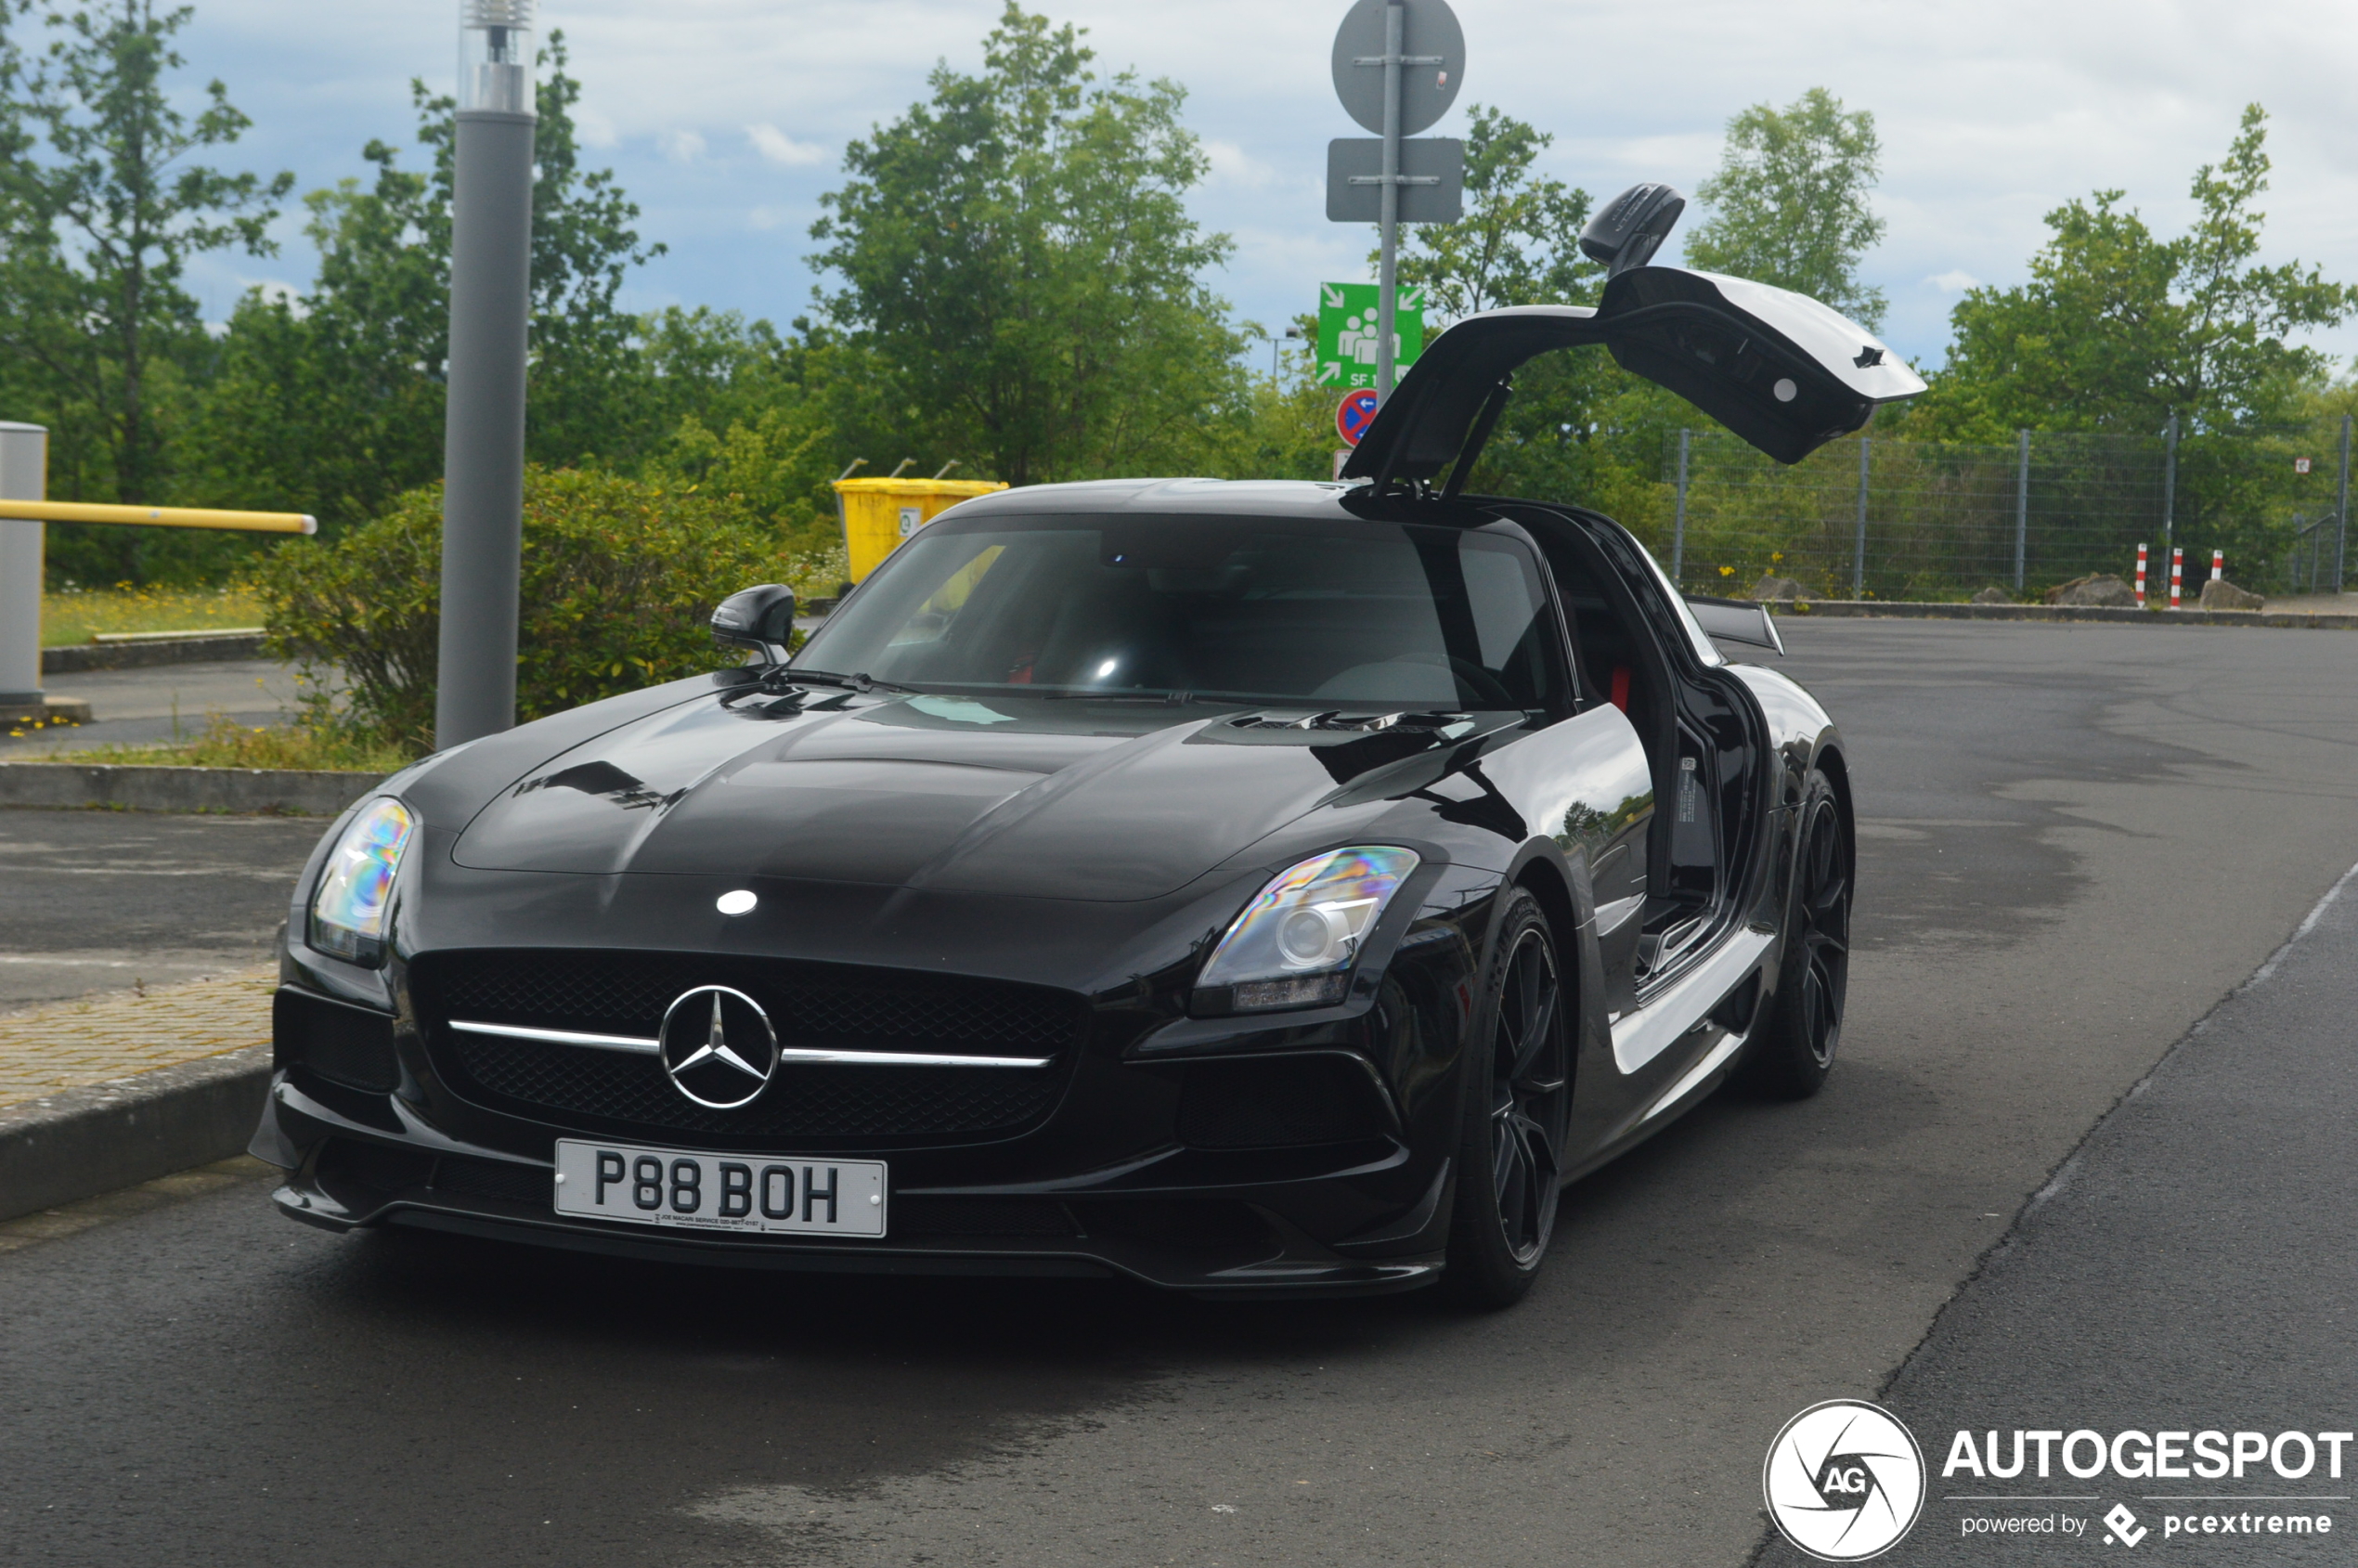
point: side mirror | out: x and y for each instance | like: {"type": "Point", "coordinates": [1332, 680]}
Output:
{"type": "Point", "coordinates": [756, 617]}
{"type": "Point", "coordinates": [1628, 230]}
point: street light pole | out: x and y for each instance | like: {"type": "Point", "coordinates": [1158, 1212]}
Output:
{"type": "Point", "coordinates": [483, 438]}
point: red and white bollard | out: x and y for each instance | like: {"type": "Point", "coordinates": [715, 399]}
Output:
{"type": "Point", "coordinates": [2177, 575]}
{"type": "Point", "coordinates": [2141, 577]}
{"type": "Point", "coordinates": [2217, 564]}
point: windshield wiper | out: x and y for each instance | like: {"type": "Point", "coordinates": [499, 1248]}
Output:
{"type": "Point", "coordinates": [863, 682]}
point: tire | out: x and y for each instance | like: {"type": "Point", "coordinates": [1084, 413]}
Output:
{"type": "Point", "coordinates": [1798, 1041]}
{"type": "Point", "coordinates": [1518, 1105]}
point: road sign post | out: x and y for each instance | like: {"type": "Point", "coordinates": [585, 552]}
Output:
{"type": "Point", "coordinates": [1398, 67]}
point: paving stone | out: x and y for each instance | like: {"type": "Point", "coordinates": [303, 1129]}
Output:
{"type": "Point", "coordinates": [73, 1043]}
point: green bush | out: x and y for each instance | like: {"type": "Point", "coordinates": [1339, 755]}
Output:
{"type": "Point", "coordinates": [620, 578]}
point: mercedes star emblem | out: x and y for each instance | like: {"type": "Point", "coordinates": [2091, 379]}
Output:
{"type": "Point", "coordinates": [717, 1047]}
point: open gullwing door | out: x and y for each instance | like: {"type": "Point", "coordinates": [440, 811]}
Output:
{"type": "Point", "coordinates": [1783, 372]}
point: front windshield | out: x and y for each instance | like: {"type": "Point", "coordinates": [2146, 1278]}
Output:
{"type": "Point", "coordinates": [1333, 613]}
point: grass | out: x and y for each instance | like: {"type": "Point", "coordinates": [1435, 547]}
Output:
{"type": "Point", "coordinates": [225, 744]}
{"type": "Point", "coordinates": [75, 615]}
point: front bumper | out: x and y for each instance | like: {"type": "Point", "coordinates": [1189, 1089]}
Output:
{"type": "Point", "coordinates": [1327, 1220]}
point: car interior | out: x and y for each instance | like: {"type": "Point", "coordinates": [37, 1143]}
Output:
{"type": "Point", "coordinates": [1698, 746]}
{"type": "Point", "coordinates": [1376, 617]}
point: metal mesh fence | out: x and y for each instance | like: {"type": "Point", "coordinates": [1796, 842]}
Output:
{"type": "Point", "coordinates": [1890, 519]}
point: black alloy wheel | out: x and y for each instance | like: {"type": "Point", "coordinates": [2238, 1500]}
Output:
{"type": "Point", "coordinates": [1518, 1105]}
{"type": "Point", "coordinates": [1803, 1027]}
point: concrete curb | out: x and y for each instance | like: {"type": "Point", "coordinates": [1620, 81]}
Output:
{"type": "Point", "coordinates": [139, 787]}
{"type": "Point", "coordinates": [74, 657]}
{"type": "Point", "coordinates": [80, 1142]}
{"type": "Point", "coordinates": [1906, 609]}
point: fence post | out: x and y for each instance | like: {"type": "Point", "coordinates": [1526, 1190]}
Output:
{"type": "Point", "coordinates": [2170, 483]}
{"type": "Point", "coordinates": [2022, 501]}
{"type": "Point", "coordinates": [2341, 509]}
{"type": "Point", "coordinates": [1858, 546]}
{"type": "Point", "coordinates": [1678, 527]}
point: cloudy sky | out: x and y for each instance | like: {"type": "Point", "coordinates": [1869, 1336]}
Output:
{"type": "Point", "coordinates": [727, 119]}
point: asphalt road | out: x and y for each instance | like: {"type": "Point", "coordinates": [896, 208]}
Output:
{"type": "Point", "coordinates": [102, 901]}
{"type": "Point", "coordinates": [2188, 1270]}
{"type": "Point", "coordinates": [2076, 840]}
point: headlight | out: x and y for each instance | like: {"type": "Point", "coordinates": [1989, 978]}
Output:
{"type": "Point", "coordinates": [1295, 943]}
{"type": "Point", "coordinates": [348, 911]}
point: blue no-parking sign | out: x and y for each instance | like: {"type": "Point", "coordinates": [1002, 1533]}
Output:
{"type": "Point", "coordinates": [1354, 414]}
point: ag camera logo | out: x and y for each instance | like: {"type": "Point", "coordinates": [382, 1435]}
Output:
{"type": "Point", "coordinates": [1843, 1481]}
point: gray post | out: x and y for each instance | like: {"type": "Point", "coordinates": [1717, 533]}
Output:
{"type": "Point", "coordinates": [2022, 501]}
{"type": "Point", "coordinates": [1858, 546]}
{"type": "Point", "coordinates": [2169, 486]}
{"type": "Point", "coordinates": [1679, 528]}
{"type": "Point", "coordinates": [2341, 509]}
{"type": "Point", "coordinates": [1396, 16]}
{"type": "Point", "coordinates": [24, 476]}
{"type": "Point", "coordinates": [483, 439]}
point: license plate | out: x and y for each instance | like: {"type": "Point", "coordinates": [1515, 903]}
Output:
{"type": "Point", "coordinates": [693, 1191]}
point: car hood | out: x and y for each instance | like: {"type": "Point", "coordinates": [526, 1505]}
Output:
{"type": "Point", "coordinates": [1069, 799]}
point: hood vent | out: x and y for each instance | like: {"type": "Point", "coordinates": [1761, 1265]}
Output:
{"type": "Point", "coordinates": [1438, 726]}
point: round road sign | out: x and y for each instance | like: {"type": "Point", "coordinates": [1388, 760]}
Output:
{"type": "Point", "coordinates": [1430, 33]}
{"type": "Point", "coordinates": [1354, 414]}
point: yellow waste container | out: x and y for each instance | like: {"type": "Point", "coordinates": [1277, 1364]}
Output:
{"type": "Point", "coordinates": [880, 513]}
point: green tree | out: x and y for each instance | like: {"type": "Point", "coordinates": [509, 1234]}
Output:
{"type": "Point", "coordinates": [1519, 241]}
{"type": "Point", "coordinates": [104, 220]}
{"type": "Point", "coordinates": [620, 578]}
{"type": "Point", "coordinates": [349, 380]}
{"type": "Point", "coordinates": [2117, 328]}
{"type": "Point", "coordinates": [1789, 203]}
{"type": "Point", "coordinates": [1019, 249]}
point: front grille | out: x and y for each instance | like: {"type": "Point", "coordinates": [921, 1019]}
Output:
{"type": "Point", "coordinates": [343, 1043]}
{"type": "Point", "coordinates": [1192, 1224]}
{"type": "Point", "coordinates": [917, 1219]}
{"type": "Point", "coordinates": [802, 1101]}
{"type": "Point", "coordinates": [1283, 1102]}
{"type": "Point", "coordinates": [378, 1167]}
{"type": "Point", "coordinates": [810, 1005]}
{"type": "Point", "coordinates": [496, 1178]}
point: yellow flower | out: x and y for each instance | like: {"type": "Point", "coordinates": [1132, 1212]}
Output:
{"type": "Point", "coordinates": [1727, 571]}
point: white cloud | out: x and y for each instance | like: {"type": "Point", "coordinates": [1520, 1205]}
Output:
{"type": "Point", "coordinates": [681, 147]}
{"type": "Point", "coordinates": [593, 128]}
{"type": "Point", "coordinates": [767, 219]}
{"type": "Point", "coordinates": [1956, 280]}
{"type": "Point", "coordinates": [780, 148]}
{"type": "Point", "coordinates": [1234, 165]}
{"type": "Point", "coordinates": [1986, 125]}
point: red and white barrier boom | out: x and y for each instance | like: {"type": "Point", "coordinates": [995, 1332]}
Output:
{"type": "Point", "coordinates": [2177, 575]}
{"type": "Point", "coordinates": [2141, 577]}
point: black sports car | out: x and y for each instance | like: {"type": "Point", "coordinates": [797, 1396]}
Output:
{"type": "Point", "coordinates": [1237, 887]}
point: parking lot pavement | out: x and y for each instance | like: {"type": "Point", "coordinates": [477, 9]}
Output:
{"type": "Point", "coordinates": [2075, 839]}
{"type": "Point", "coordinates": [152, 703]}
{"type": "Point", "coordinates": [105, 900]}
{"type": "Point", "coordinates": [2187, 1270]}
